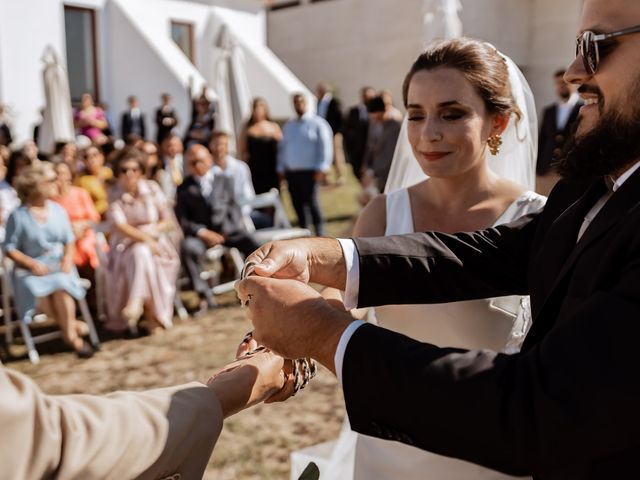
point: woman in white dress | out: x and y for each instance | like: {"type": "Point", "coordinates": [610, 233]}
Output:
{"type": "Point", "coordinates": [460, 107]}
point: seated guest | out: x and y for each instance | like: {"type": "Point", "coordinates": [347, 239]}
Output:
{"type": "Point", "coordinates": [239, 172]}
{"type": "Point", "coordinates": [82, 214]}
{"type": "Point", "coordinates": [173, 164]}
{"type": "Point", "coordinates": [153, 168]}
{"type": "Point", "coordinates": [143, 263]}
{"type": "Point", "coordinates": [95, 177]}
{"type": "Point", "coordinates": [18, 162]}
{"type": "Point", "coordinates": [91, 120]}
{"type": "Point", "coordinates": [9, 200]}
{"type": "Point", "coordinates": [67, 152]}
{"type": "Point", "coordinates": [209, 215]}
{"type": "Point", "coordinates": [39, 240]}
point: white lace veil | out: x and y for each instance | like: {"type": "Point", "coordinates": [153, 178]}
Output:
{"type": "Point", "coordinates": [516, 160]}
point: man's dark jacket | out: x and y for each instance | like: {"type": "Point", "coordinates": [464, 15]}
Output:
{"type": "Point", "coordinates": [567, 406]}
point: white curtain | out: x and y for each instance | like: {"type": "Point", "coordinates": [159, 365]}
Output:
{"type": "Point", "coordinates": [231, 84]}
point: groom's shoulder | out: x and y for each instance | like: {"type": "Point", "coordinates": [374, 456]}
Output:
{"type": "Point", "coordinates": [567, 192]}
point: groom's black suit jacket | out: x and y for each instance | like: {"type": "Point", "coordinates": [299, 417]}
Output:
{"type": "Point", "coordinates": [567, 406]}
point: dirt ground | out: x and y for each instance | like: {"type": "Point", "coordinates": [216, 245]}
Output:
{"type": "Point", "coordinates": [255, 444]}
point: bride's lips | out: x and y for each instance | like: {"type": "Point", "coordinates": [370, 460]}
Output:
{"type": "Point", "coordinates": [434, 156]}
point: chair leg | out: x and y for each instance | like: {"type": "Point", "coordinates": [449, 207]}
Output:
{"type": "Point", "coordinates": [6, 308]}
{"type": "Point", "coordinates": [28, 341]}
{"type": "Point", "coordinates": [179, 307]}
{"type": "Point", "coordinates": [238, 260]}
{"type": "Point", "coordinates": [100, 294]}
{"type": "Point", "coordinates": [88, 319]}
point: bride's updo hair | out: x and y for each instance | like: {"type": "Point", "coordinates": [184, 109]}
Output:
{"type": "Point", "coordinates": [481, 65]}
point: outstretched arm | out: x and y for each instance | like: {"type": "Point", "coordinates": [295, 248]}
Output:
{"type": "Point", "coordinates": [125, 434]}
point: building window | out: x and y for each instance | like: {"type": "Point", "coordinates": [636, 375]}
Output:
{"type": "Point", "coordinates": [182, 35]}
{"type": "Point", "coordinates": [80, 34]}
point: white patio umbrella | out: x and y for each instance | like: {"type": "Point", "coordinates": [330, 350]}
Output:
{"type": "Point", "coordinates": [441, 20]}
{"type": "Point", "coordinates": [57, 124]}
{"type": "Point", "coordinates": [231, 83]}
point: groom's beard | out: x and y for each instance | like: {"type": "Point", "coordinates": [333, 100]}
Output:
{"type": "Point", "coordinates": [612, 145]}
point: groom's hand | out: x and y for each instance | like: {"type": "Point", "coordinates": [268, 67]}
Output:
{"type": "Point", "coordinates": [293, 319]}
{"type": "Point", "coordinates": [307, 260]}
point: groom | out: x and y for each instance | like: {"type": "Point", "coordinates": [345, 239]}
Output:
{"type": "Point", "coordinates": [568, 405]}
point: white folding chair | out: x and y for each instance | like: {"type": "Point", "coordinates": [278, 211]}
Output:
{"type": "Point", "coordinates": [214, 256]}
{"type": "Point", "coordinates": [282, 229]}
{"type": "Point", "coordinates": [30, 318]}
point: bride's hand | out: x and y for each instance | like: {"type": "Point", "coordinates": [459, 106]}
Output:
{"type": "Point", "coordinates": [249, 381]}
{"type": "Point", "coordinates": [247, 346]}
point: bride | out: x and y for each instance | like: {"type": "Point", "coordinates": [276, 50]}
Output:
{"type": "Point", "coordinates": [468, 164]}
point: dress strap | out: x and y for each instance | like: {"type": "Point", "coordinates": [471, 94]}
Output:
{"type": "Point", "coordinates": [399, 215]}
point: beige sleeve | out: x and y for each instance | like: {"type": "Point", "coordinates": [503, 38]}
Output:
{"type": "Point", "coordinates": [118, 436]}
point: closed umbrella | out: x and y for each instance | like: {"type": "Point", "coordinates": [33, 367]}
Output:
{"type": "Point", "coordinates": [57, 124]}
{"type": "Point", "coordinates": [231, 83]}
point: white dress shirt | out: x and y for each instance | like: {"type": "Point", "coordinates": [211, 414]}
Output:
{"type": "Point", "coordinates": [564, 111]}
{"type": "Point", "coordinates": [352, 262]}
{"type": "Point", "coordinates": [239, 171]}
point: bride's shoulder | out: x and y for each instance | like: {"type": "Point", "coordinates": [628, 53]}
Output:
{"type": "Point", "coordinates": [372, 220]}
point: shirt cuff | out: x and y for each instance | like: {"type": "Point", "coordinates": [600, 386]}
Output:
{"type": "Point", "coordinates": [351, 291]}
{"type": "Point", "coordinates": [342, 347]}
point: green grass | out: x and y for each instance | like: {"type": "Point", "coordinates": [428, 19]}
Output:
{"type": "Point", "coordinates": [339, 205]}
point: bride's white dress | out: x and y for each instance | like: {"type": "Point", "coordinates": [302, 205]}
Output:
{"type": "Point", "coordinates": [471, 324]}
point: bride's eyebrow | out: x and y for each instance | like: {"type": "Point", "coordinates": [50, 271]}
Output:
{"type": "Point", "coordinates": [451, 103]}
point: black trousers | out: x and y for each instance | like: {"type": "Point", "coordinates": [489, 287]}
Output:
{"type": "Point", "coordinates": [303, 189]}
{"type": "Point", "coordinates": [193, 248]}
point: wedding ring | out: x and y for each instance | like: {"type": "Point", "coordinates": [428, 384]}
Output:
{"type": "Point", "coordinates": [247, 269]}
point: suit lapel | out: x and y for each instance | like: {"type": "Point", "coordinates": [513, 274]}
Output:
{"type": "Point", "coordinates": [557, 256]}
{"type": "Point", "coordinates": [613, 211]}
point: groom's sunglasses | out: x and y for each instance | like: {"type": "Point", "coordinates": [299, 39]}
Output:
{"type": "Point", "coordinates": [592, 46]}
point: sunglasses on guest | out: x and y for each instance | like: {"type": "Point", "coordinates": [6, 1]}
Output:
{"type": "Point", "coordinates": [593, 46]}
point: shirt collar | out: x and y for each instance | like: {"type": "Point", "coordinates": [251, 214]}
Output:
{"type": "Point", "coordinates": [616, 184]}
{"type": "Point", "coordinates": [207, 176]}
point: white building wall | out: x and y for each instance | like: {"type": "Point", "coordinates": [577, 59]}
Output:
{"type": "Point", "coordinates": [554, 28]}
{"type": "Point", "coordinates": [351, 43]}
{"type": "Point", "coordinates": [20, 57]}
{"type": "Point", "coordinates": [348, 43]}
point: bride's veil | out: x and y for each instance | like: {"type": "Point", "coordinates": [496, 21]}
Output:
{"type": "Point", "coordinates": [516, 160]}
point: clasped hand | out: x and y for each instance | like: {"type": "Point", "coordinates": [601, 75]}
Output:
{"type": "Point", "coordinates": [290, 317]}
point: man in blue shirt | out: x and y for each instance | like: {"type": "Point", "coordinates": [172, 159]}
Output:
{"type": "Point", "coordinates": [304, 154]}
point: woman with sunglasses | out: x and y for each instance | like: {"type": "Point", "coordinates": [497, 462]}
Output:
{"type": "Point", "coordinates": [40, 241]}
{"type": "Point", "coordinates": [143, 263]}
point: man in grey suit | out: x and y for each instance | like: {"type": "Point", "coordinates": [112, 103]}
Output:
{"type": "Point", "coordinates": [209, 215]}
